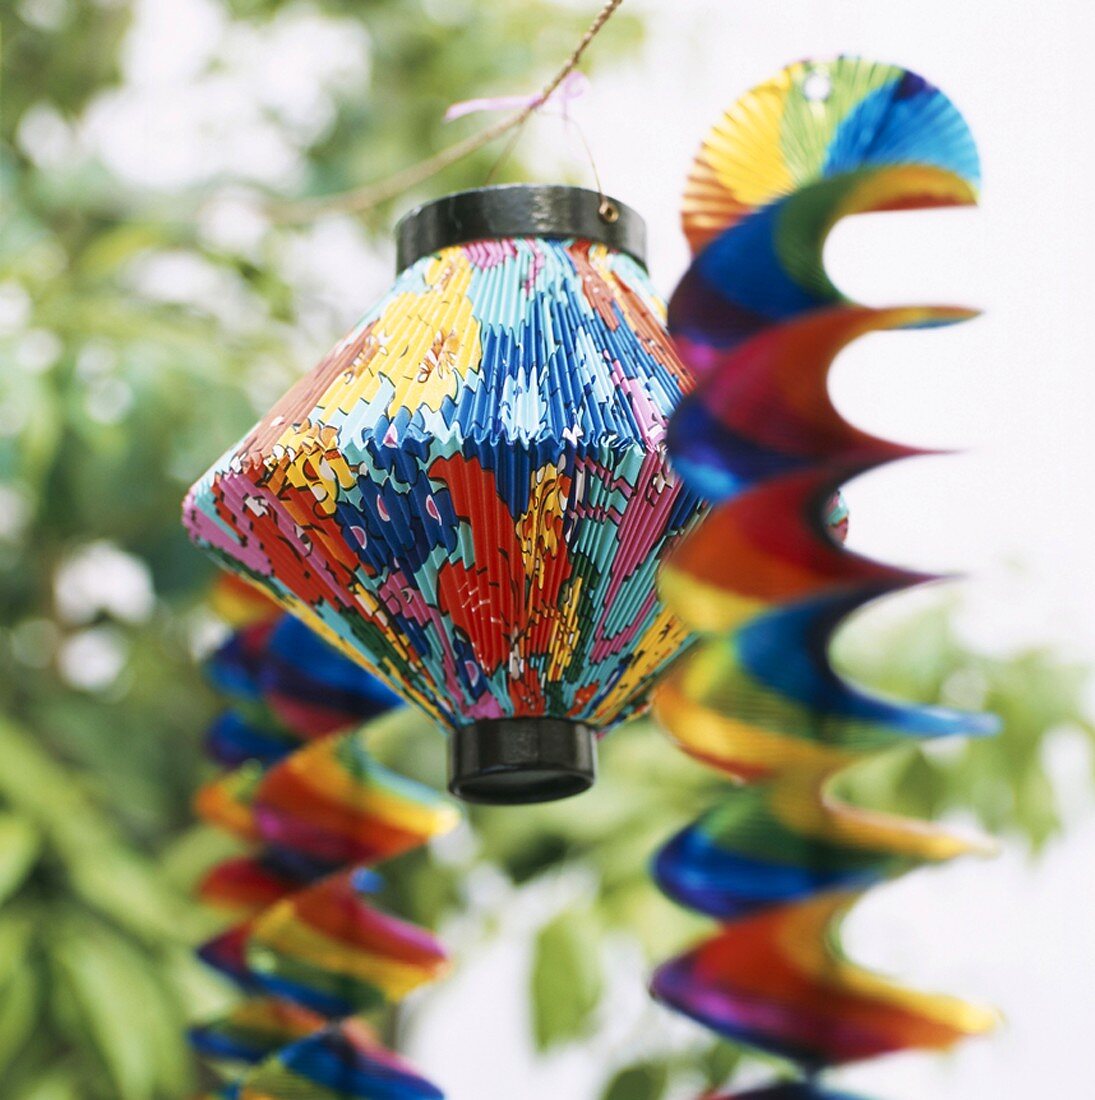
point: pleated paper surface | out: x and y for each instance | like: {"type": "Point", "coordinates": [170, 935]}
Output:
{"type": "Point", "coordinates": [470, 494]}
{"type": "Point", "coordinates": [764, 580]}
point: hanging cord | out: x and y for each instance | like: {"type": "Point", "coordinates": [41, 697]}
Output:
{"type": "Point", "coordinates": [373, 194]}
{"type": "Point", "coordinates": [607, 209]}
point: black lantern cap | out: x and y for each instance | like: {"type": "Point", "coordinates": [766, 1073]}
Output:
{"type": "Point", "coordinates": [515, 761]}
{"type": "Point", "coordinates": [519, 210]}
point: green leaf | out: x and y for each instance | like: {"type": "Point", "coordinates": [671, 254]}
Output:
{"type": "Point", "coordinates": [566, 978]}
{"type": "Point", "coordinates": [647, 1081]}
{"type": "Point", "coordinates": [53, 1085]}
{"type": "Point", "coordinates": [19, 1010]}
{"type": "Point", "coordinates": [17, 929]}
{"type": "Point", "coordinates": [19, 847]}
{"type": "Point", "coordinates": [719, 1062]}
{"type": "Point", "coordinates": [107, 873]}
{"type": "Point", "coordinates": [118, 1009]}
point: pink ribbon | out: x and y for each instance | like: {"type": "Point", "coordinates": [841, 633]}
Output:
{"type": "Point", "coordinates": [574, 85]}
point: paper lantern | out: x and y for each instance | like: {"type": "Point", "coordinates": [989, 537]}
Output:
{"type": "Point", "coordinates": [765, 583]}
{"type": "Point", "coordinates": [470, 495]}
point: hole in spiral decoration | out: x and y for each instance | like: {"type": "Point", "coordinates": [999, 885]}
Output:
{"type": "Point", "coordinates": [817, 86]}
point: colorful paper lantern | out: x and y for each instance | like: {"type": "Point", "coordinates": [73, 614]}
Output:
{"type": "Point", "coordinates": [765, 584]}
{"type": "Point", "coordinates": [470, 494]}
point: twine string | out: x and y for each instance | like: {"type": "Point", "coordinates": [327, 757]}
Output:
{"type": "Point", "coordinates": [371, 195]}
{"type": "Point", "coordinates": [607, 209]}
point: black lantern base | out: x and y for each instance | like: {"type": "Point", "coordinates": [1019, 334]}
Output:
{"type": "Point", "coordinates": [515, 761]}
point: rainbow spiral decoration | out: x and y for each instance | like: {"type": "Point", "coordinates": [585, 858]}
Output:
{"type": "Point", "coordinates": [764, 580]}
{"type": "Point", "coordinates": [310, 950]}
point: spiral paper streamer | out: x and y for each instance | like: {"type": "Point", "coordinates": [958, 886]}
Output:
{"type": "Point", "coordinates": [802, 1091]}
{"type": "Point", "coordinates": [310, 951]}
{"type": "Point", "coordinates": [765, 582]}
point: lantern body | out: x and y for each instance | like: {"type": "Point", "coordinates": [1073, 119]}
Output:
{"type": "Point", "coordinates": [470, 494]}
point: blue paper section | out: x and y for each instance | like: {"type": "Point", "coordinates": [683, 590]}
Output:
{"type": "Point", "coordinates": [695, 871]}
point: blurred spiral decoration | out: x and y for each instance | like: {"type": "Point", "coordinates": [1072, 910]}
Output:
{"type": "Point", "coordinates": [765, 581]}
{"type": "Point", "coordinates": [310, 951]}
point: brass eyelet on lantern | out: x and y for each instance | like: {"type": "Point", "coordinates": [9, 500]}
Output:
{"type": "Point", "coordinates": [608, 211]}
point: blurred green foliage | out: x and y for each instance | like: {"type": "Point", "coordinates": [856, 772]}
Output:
{"type": "Point", "coordinates": [566, 977]}
{"type": "Point", "coordinates": [113, 398]}
{"type": "Point", "coordinates": [115, 395]}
